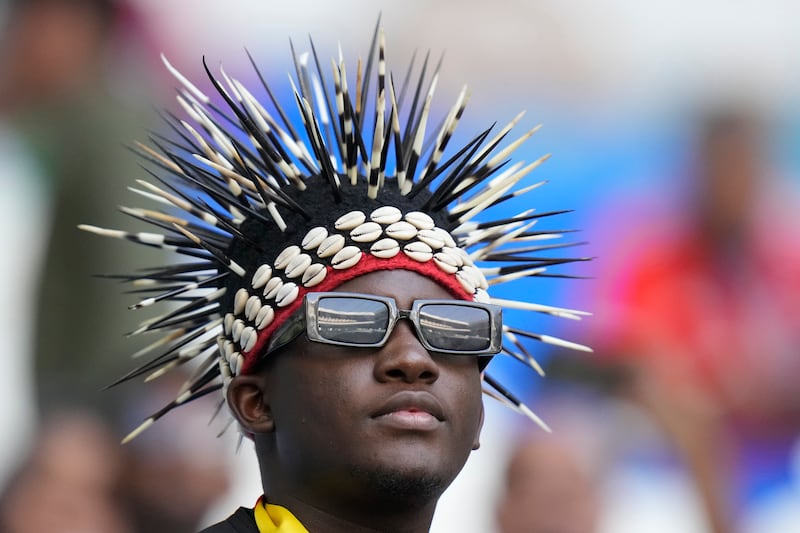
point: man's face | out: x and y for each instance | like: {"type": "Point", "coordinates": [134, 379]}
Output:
{"type": "Point", "coordinates": [396, 418]}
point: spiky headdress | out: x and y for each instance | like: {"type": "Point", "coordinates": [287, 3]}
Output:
{"type": "Point", "coordinates": [267, 213]}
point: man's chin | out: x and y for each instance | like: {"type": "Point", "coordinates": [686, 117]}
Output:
{"type": "Point", "coordinates": [414, 486]}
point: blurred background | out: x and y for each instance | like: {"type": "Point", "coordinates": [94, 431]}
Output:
{"type": "Point", "coordinates": [675, 134]}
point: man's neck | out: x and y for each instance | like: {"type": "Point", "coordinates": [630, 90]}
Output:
{"type": "Point", "coordinates": [366, 518]}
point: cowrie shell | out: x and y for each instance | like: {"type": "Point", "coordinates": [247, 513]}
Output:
{"type": "Point", "coordinates": [232, 364]}
{"type": "Point", "coordinates": [285, 256]}
{"type": "Point", "coordinates": [221, 346]}
{"type": "Point", "coordinates": [314, 275]}
{"type": "Point", "coordinates": [227, 349]}
{"type": "Point", "coordinates": [402, 231]}
{"type": "Point", "coordinates": [458, 255]}
{"type": "Point", "coordinates": [227, 323]}
{"type": "Point", "coordinates": [272, 287]}
{"type": "Point", "coordinates": [262, 275]}
{"type": "Point", "coordinates": [468, 274]}
{"type": "Point", "coordinates": [465, 258]}
{"type": "Point", "coordinates": [349, 220]}
{"type": "Point", "coordinates": [298, 265]}
{"type": "Point", "coordinates": [445, 236]}
{"type": "Point", "coordinates": [264, 317]}
{"type": "Point", "coordinates": [238, 327]}
{"type": "Point", "coordinates": [252, 307]}
{"type": "Point", "coordinates": [287, 294]}
{"type": "Point", "coordinates": [225, 370]}
{"type": "Point", "coordinates": [346, 257]}
{"type": "Point", "coordinates": [418, 251]}
{"type": "Point", "coordinates": [449, 256]}
{"type": "Point", "coordinates": [482, 296]}
{"type": "Point", "coordinates": [239, 301]}
{"type": "Point", "coordinates": [431, 237]}
{"type": "Point", "coordinates": [443, 262]}
{"type": "Point", "coordinates": [331, 245]}
{"type": "Point", "coordinates": [314, 237]}
{"type": "Point", "coordinates": [249, 338]}
{"type": "Point", "coordinates": [366, 232]}
{"type": "Point", "coordinates": [477, 276]}
{"type": "Point", "coordinates": [419, 220]}
{"type": "Point", "coordinates": [465, 282]}
{"type": "Point", "coordinates": [239, 362]}
{"type": "Point", "coordinates": [385, 248]}
{"type": "Point", "coordinates": [386, 215]}
{"type": "Point", "coordinates": [448, 239]}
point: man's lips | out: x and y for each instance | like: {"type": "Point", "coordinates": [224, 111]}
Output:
{"type": "Point", "coordinates": [411, 410]}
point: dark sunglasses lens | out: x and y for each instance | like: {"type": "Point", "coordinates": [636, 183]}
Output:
{"type": "Point", "coordinates": [352, 320]}
{"type": "Point", "coordinates": [455, 327]}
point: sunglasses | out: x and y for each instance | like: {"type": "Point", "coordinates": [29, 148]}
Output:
{"type": "Point", "coordinates": [366, 321]}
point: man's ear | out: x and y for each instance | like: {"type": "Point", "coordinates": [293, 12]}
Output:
{"type": "Point", "coordinates": [477, 443]}
{"type": "Point", "coordinates": [248, 402]}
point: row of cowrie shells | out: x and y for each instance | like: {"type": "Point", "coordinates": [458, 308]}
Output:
{"type": "Point", "coordinates": [294, 264]}
{"type": "Point", "coordinates": [276, 291]}
{"type": "Point", "coordinates": [253, 312]}
{"type": "Point", "coordinates": [434, 244]}
{"type": "Point", "coordinates": [385, 216]}
{"type": "Point", "coordinates": [384, 239]}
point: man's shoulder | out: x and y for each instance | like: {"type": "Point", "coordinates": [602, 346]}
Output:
{"type": "Point", "coordinates": [242, 521]}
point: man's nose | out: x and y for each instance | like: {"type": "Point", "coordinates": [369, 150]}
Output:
{"type": "Point", "coordinates": [404, 358]}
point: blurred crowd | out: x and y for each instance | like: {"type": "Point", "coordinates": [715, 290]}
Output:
{"type": "Point", "coordinates": [686, 418]}
{"type": "Point", "coordinates": [77, 85]}
{"type": "Point", "coordinates": [706, 320]}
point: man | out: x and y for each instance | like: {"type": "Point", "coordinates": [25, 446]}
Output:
{"type": "Point", "coordinates": [330, 291]}
{"type": "Point", "coordinates": [368, 437]}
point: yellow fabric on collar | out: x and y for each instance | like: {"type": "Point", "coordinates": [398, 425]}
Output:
{"type": "Point", "coordinates": [276, 519]}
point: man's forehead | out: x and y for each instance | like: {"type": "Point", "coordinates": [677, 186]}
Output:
{"type": "Point", "coordinates": [404, 286]}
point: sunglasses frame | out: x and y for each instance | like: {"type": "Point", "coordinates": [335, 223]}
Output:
{"type": "Point", "coordinates": [307, 316]}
